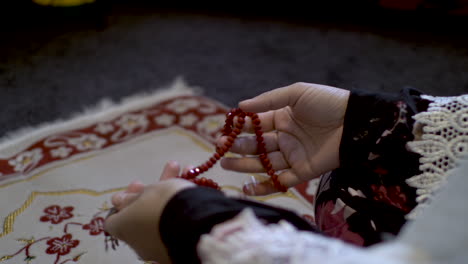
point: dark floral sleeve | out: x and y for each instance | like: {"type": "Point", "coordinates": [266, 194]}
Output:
{"type": "Point", "coordinates": [367, 197]}
{"type": "Point", "coordinates": [193, 212]}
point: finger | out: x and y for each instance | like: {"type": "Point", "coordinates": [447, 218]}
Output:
{"type": "Point", "coordinates": [187, 168]}
{"type": "Point", "coordinates": [267, 122]}
{"type": "Point", "coordinates": [128, 213]}
{"type": "Point", "coordinates": [122, 199]}
{"type": "Point", "coordinates": [114, 223]}
{"type": "Point", "coordinates": [253, 164]}
{"type": "Point", "coordinates": [287, 178]}
{"type": "Point", "coordinates": [171, 170]}
{"type": "Point", "coordinates": [274, 99]}
{"type": "Point", "coordinates": [111, 225]}
{"type": "Point", "coordinates": [135, 187]}
{"type": "Point", "coordinates": [117, 198]}
{"type": "Point", "coordinates": [248, 145]}
{"type": "Point", "coordinates": [259, 188]}
{"type": "Point", "coordinates": [127, 200]}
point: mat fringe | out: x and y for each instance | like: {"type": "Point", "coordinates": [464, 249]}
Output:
{"type": "Point", "coordinates": [106, 109]}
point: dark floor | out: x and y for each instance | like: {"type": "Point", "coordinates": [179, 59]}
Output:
{"type": "Point", "coordinates": [56, 63]}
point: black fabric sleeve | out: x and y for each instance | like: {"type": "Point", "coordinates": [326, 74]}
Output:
{"type": "Point", "coordinates": [374, 166]}
{"type": "Point", "coordinates": [194, 211]}
{"type": "Point", "coordinates": [369, 115]}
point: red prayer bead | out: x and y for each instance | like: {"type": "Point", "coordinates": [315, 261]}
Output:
{"type": "Point", "coordinates": [192, 173]}
{"type": "Point", "coordinates": [261, 147]}
{"type": "Point", "coordinates": [220, 151]}
{"type": "Point", "coordinates": [232, 134]}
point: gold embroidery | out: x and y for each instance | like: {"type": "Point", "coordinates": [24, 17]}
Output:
{"type": "Point", "coordinates": [105, 207]}
{"type": "Point", "coordinates": [26, 161]}
{"type": "Point", "coordinates": [88, 144]}
{"type": "Point", "coordinates": [10, 219]}
{"type": "Point", "coordinates": [5, 258]}
{"type": "Point", "coordinates": [26, 241]}
{"type": "Point", "coordinates": [131, 123]}
{"type": "Point", "coordinates": [77, 257]}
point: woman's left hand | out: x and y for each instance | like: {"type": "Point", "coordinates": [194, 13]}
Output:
{"type": "Point", "coordinates": [139, 210]}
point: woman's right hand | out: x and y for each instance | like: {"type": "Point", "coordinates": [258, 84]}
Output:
{"type": "Point", "coordinates": [302, 125]}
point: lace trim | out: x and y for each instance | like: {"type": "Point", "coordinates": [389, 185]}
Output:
{"type": "Point", "coordinates": [442, 145]}
{"type": "Point", "coordinates": [244, 239]}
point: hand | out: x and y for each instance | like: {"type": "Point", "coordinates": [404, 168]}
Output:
{"type": "Point", "coordinates": [302, 124]}
{"type": "Point", "coordinates": [139, 210]}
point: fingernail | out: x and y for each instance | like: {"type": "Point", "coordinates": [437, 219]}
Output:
{"type": "Point", "coordinates": [249, 185]}
{"type": "Point", "coordinates": [136, 182]}
{"type": "Point", "coordinates": [173, 163]}
{"type": "Point", "coordinates": [249, 189]}
{"type": "Point", "coordinates": [120, 197]}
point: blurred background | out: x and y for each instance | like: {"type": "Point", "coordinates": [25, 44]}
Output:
{"type": "Point", "coordinates": [58, 57]}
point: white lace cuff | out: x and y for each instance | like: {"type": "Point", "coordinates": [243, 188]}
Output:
{"type": "Point", "coordinates": [245, 239]}
{"type": "Point", "coordinates": [442, 145]}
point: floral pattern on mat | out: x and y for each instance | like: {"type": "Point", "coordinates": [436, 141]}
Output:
{"type": "Point", "coordinates": [60, 247]}
{"type": "Point", "coordinates": [68, 243]}
{"type": "Point", "coordinates": [197, 114]}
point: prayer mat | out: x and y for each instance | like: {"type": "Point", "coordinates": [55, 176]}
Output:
{"type": "Point", "coordinates": [56, 180]}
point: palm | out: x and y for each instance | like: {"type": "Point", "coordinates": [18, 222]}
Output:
{"type": "Point", "coordinates": [304, 142]}
{"type": "Point", "coordinates": [302, 136]}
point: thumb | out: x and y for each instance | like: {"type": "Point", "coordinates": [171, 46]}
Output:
{"type": "Point", "coordinates": [274, 99]}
